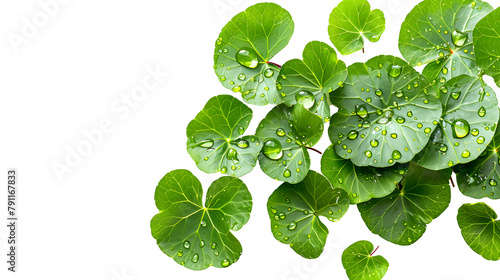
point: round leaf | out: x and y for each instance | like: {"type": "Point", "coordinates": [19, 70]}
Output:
{"type": "Point", "coordinates": [195, 236]}
{"type": "Point", "coordinates": [294, 211]}
{"type": "Point", "coordinates": [360, 265]}
{"type": "Point", "coordinates": [469, 119]}
{"type": "Point", "coordinates": [481, 177]}
{"type": "Point", "coordinates": [487, 44]}
{"type": "Point", "coordinates": [402, 216]}
{"type": "Point", "coordinates": [439, 32]}
{"type": "Point", "coordinates": [316, 75]}
{"type": "Point", "coordinates": [386, 113]}
{"type": "Point", "coordinates": [361, 183]}
{"type": "Point", "coordinates": [244, 48]}
{"type": "Point", "coordinates": [294, 134]}
{"type": "Point", "coordinates": [215, 139]}
{"type": "Point", "coordinates": [350, 21]}
{"type": "Point", "coordinates": [480, 229]}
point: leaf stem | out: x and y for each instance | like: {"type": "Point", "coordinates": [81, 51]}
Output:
{"type": "Point", "coordinates": [313, 149]}
{"type": "Point", "coordinates": [374, 251]}
{"type": "Point", "coordinates": [363, 50]}
{"type": "Point", "coordinates": [275, 64]}
{"type": "Point", "coordinates": [451, 180]}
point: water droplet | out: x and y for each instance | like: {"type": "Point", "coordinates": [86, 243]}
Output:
{"type": "Point", "coordinates": [180, 253]}
{"type": "Point", "coordinates": [224, 263]}
{"type": "Point", "coordinates": [231, 154]}
{"type": "Point", "coordinates": [415, 84]}
{"type": "Point", "coordinates": [206, 143]}
{"type": "Point", "coordinates": [305, 98]}
{"type": "Point", "coordinates": [280, 132]}
{"type": "Point", "coordinates": [396, 154]}
{"type": "Point", "coordinates": [461, 128]}
{"type": "Point", "coordinates": [354, 195]}
{"type": "Point", "coordinates": [269, 73]}
{"type": "Point", "coordinates": [282, 216]}
{"type": "Point", "coordinates": [368, 154]}
{"type": "Point", "coordinates": [443, 148]}
{"type": "Point", "coordinates": [394, 135]}
{"type": "Point", "coordinates": [443, 80]}
{"type": "Point", "coordinates": [409, 114]}
{"type": "Point", "coordinates": [474, 132]}
{"type": "Point", "coordinates": [395, 71]}
{"type": "Point", "coordinates": [287, 173]}
{"type": "Point", "coordinates": [493, 182]}
{"type": "Point", "coordinates": [247, 57]}
{"type": "Point", "coordinates": [445, 70]}
{"type": "Point", "coordinates": [223, 170]}
{"type": "Point", "coordinates": [361, 111]}
{"type": "Point", "coordinates": [374, 38]}
{"type": "Point", "coordinates": [465, 154]}
{"type": "Point", "coordinates": [203, 223]}
{"type": "Point", "coordinates": [222, 78]}
{"type": "Point", "coordinates": [368, 100]}
{"type": "Point", "coordinates": [241, 77]}
{"type": "Point", "coordinates": [272, 149]}
{"type": "Point", "coordinates": [481, 112]}
{"type": "Point", "coordinates": [236, 88]}
{"type": "Point", "coordinates": [399, 93]}
{"type": "Point", "coordinates": [187, 244]}
{"type": "Point", "coordinates": [242, 143]}
{"type": "Point", "coordinates": [306, 212]}
{"type": "Point", "coordinates": [352, 135]}
{"type": "Point", "coordinates": [340, 181]}
{"type": "Point", "coordinates": [480, 140]}
{"type": "Point", "coordinates": [459, 38]}
{"type": "Point", "coordinates": [378, 92]}
{"type": "Point", "coordinates": [427, 130]}
{"type": "Point", "coordinates": [374, 143]}
{"type": "Point", "coordinates": [214, 245]}
{"type": "Point", "coordinates": [455, 95]}
{"type": "Point", "coordinates": [206, 158]}
{"type": "Point", "coordinates": [292, 226]}
{"type": "Point", "coordinates": [195, 258]}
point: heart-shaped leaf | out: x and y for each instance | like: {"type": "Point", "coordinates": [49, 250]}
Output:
{"type": "Point", "coordinates": [215, 139]}
{"type": "Point", "coordinates": [195, 236]}
{"type": "Point", "coordinates": [439, 32]}
{"type": "Point", "coordinates": [309, 81]}
{"type": "Point", "coordinates": [402, 216]}
{"type": "Point", "coordinates": [481, 177]}
{"type": "Point", "coordinates": [480, 229]}
{"type": "Point", "coordinates": [487, 45]}
{"type": "Point", "coordinates": [468, 123]}
{"type": "Point", "coordinates": [360, 265]}
{"type": "Point", "coordinates": [284, 155]}
{"type": "Point", "coordinates": [386, 113]}
{"type": "Point", "coordinates": [350, 21]}
{"type": "Point", "coordinates": [294, 211]}
{"type": "Point", "coordinates": [244, 48]}
{"type": "Point", "coordinates": [361, 183]}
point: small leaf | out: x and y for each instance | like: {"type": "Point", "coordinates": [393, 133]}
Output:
{"type": "Point", "coordinates": [468, 123]}
{"type": "Point", "coordinates": [312, 78]}
{"type": "Point", "coordinates": [244, 48]}
{"type": "Point", "coordinates": [487, 44]}
{"type": "Point", "coordinates": [439, 33]}
{"type": "Point", "coordinates": [481, 177]}
{"type": "Point", "coordinates": [385, 107]}
{"type": "Point", "coordinates": [360, 265]}
{"type": "Point", "coordinates": [195, 236]}
{"type": "Point", "coordinates": [361, 183]}
{"type": "Point", "coordinates": [350, 21]}
{"type": "Point", "coordinates": [284, 155]}
{"type": "Point", "coordinates": [480, 229]}
{"type": "Point", "coordinates": [402, 216]}
{"type": "Point", "coordinates": [294, 211]}
{"type": "Point", "coordinates": [215, 140]}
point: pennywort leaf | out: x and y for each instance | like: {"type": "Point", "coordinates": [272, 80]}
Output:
{"type": "Point", "coordinates": [350, 21]}
{"type": "Point", "coordinates": [195, 236]}
{"type": "Point", "coordinates": [480, 229]}
{"type": "Point", "coordinates": [215, 140]}
{"type": "Point", "coordinates": [308, 81]}
{"type": "Point", "coordinates": [359, 263]}
{"type": "Point", "coordinates": [387, 112]}
{"type": "Point", "coordinates": [295, 212]}
{"type": "Point", "coordinates": [487, 44]}
{"type": "Point", "coordinates": [244, 48]}
{"type": "Point", "coordinates": [402, 216]}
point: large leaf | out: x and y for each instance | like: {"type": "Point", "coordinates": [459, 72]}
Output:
{"type": "Point", "coordinates": [468, 123]}
{"type": "Point", "coordinates": [195, 236]}
{"type": "Point", "coordinates": [480, 229]}
{"type": "Point", "coordinates": [294, 211]}
{"type": "Point", "coordinates": [244, 48]}
{"type": "Point", "coordinates": [439, 32]}
{"type": "Point", "coordinates": [215, 140]}
{"type": "Point", "coordinates": [312, 78]}
{"type": "Point", "coordinates": [350, 21]}
{"type": "Point", "coordinates": [386, 115]}
{"type": "Point", "coordinates": [481, 177]}
{"type": "Point", "coordinates": [361, 183]}
{"type": "Point", "coordinates": [360, 265]}
{"type": "Point", "coordinates": [402, 216]}
{"type": "Point", "coordinates": [286, 136]}
{"type": "Point", "coordinates": [487, 44]}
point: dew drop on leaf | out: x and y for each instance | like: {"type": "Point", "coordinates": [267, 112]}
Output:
{"type": "Point", "coordinates": [461, 128]}
{"type": "Point", "coordinates": [292, 226]}
{"type": "Point", "coordinates": [231, 154]}
{"type": "Point", "coordinates": [492, 182]}
{"type": "Point", "coordinates": [455, 95]}
{"type": "Point", "coordinates": [195, 258]}
{"type": "Point", "coordinates": [187, 244]}
{"type": "Point", "coordinates": [269, 73]}
{"type": "Point", "coordinates": [241, 77]}
{"type": "Point", "coordinates": [287, 173]}
{"type": "Point", "coordinates": [272, 149]}
{"type": "Point", "coordinates": [242, 143]}
{"type": "Point", "coordinates": [247, 57]}
{"type": "Point", "coordinates": [480, 140]}
{"type": "Point", "coordinates": [481, 112]}
{"type": "Point", "coordinates": [395, 71]}
{"type": "Point", "coordinates": [280, 132]}
{"type": "Point", "coordinates": [396, 154]}
{"type": "Point", "coordinates": [305, 98]}
{"type": "Point", "coordinates": [206, 143]}
{"type": "Point", "coordinates": [352, 135]}
{"type": "Point", "coordinates": [225, 263]}
{"type": "Point", "coordinates": [459, 38]}
{"type": "Point", "coordinates": [465, 154]}
{"type": "Point", "coordinates": [361, 111]}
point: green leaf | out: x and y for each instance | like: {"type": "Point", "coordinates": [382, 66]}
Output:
{"type": "Point", "coordinates": [294, 211]}
{"type": "Point", "coordinates": [468, 123]}
{"type": "Point", "coordinates": [487, 45]}
{"type": "Point", "coordinates": [244, 48]}
{"type": "Point", "coordinates": [402, 216]}
{"type": "Point", "coordinates": [361, 183]}
{"type": "Point", "coordinates": [350, 21]}
{"type": "Point", "coordinates": [480, 229]}
{"type": "Point", "coordinates": [311, 79]}
{"type": "Point", "coordinates": [439, 32]}
{"type": "Point", "coordinates": [386, 115]}
{"type": "Point", "coordinates": [289, 136]}
{"type": "Point", "coordinates": [195, 236]}
{"type": "Point", "coordinates": [215, 140]}
{"type": "Point", "coordinates": [481, 177]}
{"type": "Point", "coordinates": [360, 265]}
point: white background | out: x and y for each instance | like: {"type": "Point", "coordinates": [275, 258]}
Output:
{"type": "Point", "coordinates": [74, 72]}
